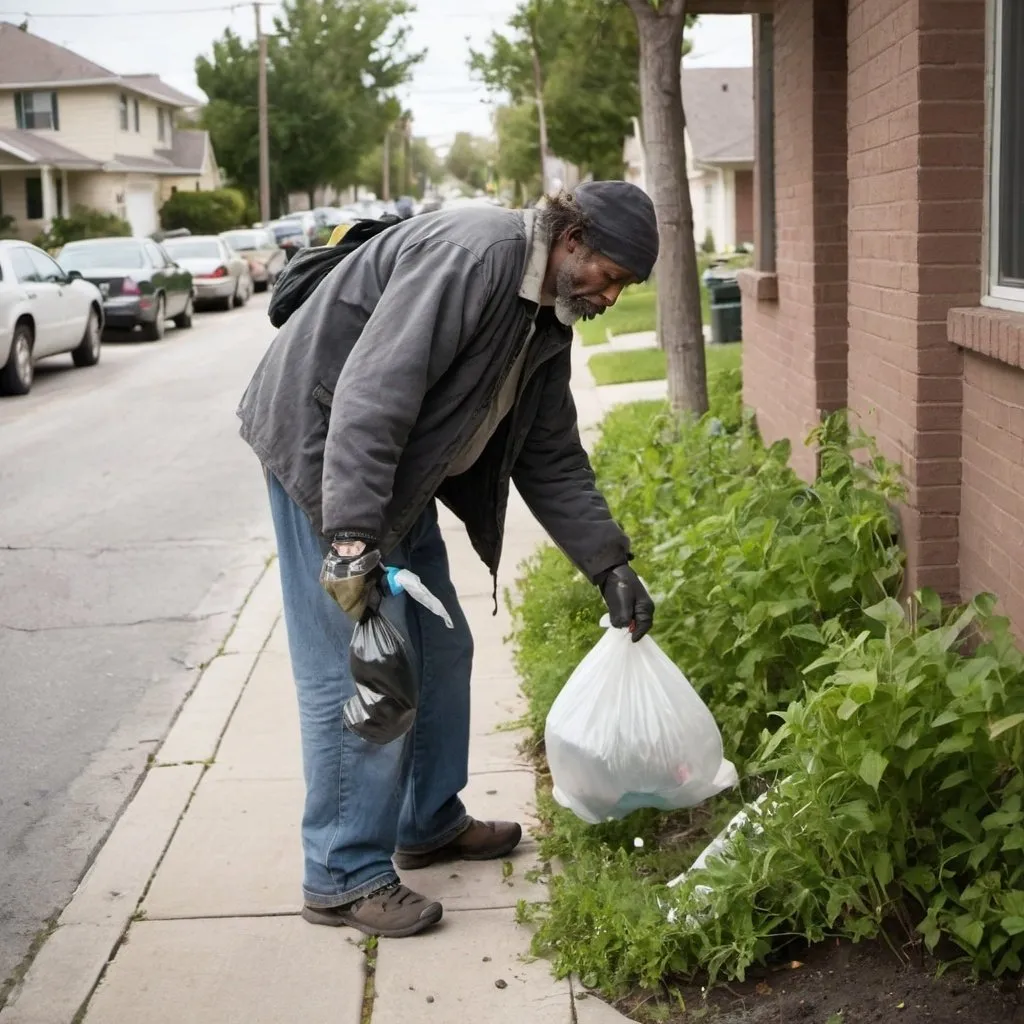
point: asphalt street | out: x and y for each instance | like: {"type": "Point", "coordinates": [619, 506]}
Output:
{"type": "Point", "coordinates": [132, 526]}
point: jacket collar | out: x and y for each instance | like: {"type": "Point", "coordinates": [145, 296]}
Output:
{"type": "Point", "coordinates": [538, 247]}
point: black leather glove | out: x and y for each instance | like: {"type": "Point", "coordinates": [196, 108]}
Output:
{"type": "Point", "coordinates": [628, 602]}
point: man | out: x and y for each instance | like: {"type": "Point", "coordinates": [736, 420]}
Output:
{"type": "Point", "coordinates": [432, 363]}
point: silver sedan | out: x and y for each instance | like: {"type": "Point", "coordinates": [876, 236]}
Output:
{"type": "Point", "coordinates": [44, 311]}
{"type": "Point", "coordinates": [220, 275]}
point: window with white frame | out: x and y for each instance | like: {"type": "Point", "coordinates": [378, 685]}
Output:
{"type": "Point", "coordinates": [161, 124]}
{"type": "Point", "coordinates": [36, 110]}
{"type": "Point", "coordinates": [1006, 209]}
{"type": "Point", "coordinates": [138, 122]}
{"type": "Point", "coordinates": [122, 109]}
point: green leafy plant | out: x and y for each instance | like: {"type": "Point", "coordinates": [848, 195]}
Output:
{"type": "Point", "coordinates": [900, 802]}
{"type": "Point", "coordinates": [81, 224]}
{"type": "Point", "coordinates": [204, 213]}
{"type": "Point", "coordinates": [7, 223]}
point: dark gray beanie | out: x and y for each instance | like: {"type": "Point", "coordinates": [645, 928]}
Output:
{"type": "Point", "coordinates": [621, 223]}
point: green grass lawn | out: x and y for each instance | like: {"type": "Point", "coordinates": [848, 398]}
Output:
{"type": "Point", "coordinates": [649, 363]}
{"type": "Point", "coordinates": [635, 311]}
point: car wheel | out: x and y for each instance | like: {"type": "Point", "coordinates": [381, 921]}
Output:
{"type": "Point", "coordinates": [155, 330]}
{"type": "Point", "coordinates": [228, 302]}
{"type": "Point", "coordinates": [184, 318]}
{"type": "Point", "coordinates": [261, 286]}
{"type": "Point", "coordinates": [17, 375]}
{"type": "Point", "coordinates": [88, 351]}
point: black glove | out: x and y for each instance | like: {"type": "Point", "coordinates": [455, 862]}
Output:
{"type": "Point", "coordinates": [628, 601]}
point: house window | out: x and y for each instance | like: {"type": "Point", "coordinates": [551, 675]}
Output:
{"type": "Point", "coordinates": [36, 110]}
{"type": "Point", "coordinates": [34, 198]}
{"type": "Point", "coordinates": [59, 189]}
{"type": "Point", "coordinates": [765, 144]}
{"type": "Point", "coordinates": [123, 111]}
{"type": "Point", "coordinates": [1006, 212]}
{"type": "Point", "coordinates": [161, 129]}
{"type": "Point", "coordinates": [135, 104]}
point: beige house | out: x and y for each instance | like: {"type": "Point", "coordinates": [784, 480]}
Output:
{"type": "Point", "coordinates": [75, 134]}
{"type": "Point", "coordinates": [719, 104]}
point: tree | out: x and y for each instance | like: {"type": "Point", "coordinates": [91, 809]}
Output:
{"type": "Point", "coordinates": [204, 213]}
{"type": "Point", "coordinates": [332, 68]}
{"type": "Point", "coordinates": [518, 158]}
{"type": "Point", "coordinates": [660, 25]}
{"type": "Point", "coordinates": [469, 160]}
{"type": "Point", "coordinates": [411, 170]}
{"type": "Point", "coordinates": [583, 56]}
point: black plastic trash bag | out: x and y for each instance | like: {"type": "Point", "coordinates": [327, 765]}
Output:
{"type": "Point", "coordinates": [387, 691]}
{"type": "Point", "coordinates": [309, 267]}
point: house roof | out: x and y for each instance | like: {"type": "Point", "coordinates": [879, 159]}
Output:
{"type": "Point", "coordinates": [188, 150]}
{"type": "Point", "coordinates": [27, 60]}
{"type": "Point", "coordinates": [719, 105]}
{"type": "Point", "coordinates": [153, 85]}
{"type": "Point", "coordinates": [38, 150]}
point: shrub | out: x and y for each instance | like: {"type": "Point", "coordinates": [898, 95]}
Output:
{"type": "Point", "coordinates": [83, 223]}
{"type": "Point", "coordinates": [708, 245]}
{"type": "Point", "coordinates": [902, 802]}
{"type": "Point", "coordinates": [204, 213]}
{"type": "Point", "coordinates": [7, 223]}
{"type": "Point", "coordinates": [752, 570]}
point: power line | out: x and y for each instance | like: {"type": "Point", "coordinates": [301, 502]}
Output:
{"type": "Point", "coordinates": [240, 5]}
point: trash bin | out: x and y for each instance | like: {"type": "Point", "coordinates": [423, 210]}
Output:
{"type": "Point", "coordinates": [726, 307]}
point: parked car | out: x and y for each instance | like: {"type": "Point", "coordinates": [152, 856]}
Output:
{"type": "Point", "coordinates": [141, 285]}
{"type": "Point", "coordinates": [290, 236]}
{"type": "Point", "coordinates": [308, 221]}
{"type": "Point", "coordinates": [220, 275]}
{"type": "Point", "coordinates": [43, 311]}
{"type": "Point", "coordinates": [265, 257]}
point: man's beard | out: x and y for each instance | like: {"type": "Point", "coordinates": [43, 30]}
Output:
{"type": "Point", "coordinates": [570, 307]}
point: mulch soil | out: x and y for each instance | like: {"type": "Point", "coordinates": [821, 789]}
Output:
{"type": "Point", "coordinates": [840, 983]}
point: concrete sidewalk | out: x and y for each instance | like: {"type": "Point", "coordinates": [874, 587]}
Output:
{"type": "Point", "coordinates": [189, 915]}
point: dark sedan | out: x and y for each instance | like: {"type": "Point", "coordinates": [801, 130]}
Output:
{"type": "Point", "coordinates": [141, 285]}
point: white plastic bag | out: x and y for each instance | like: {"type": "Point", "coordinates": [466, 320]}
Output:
{"type": "Point", "coordinates": [629, 731]}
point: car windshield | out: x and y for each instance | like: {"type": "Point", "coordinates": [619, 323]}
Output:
{"type": "Point", "coordinates": [193, 249]}
{"type": "Point", "coordinates": [126, 255]}
{"type": "Point", "coordinates": [242, 241]}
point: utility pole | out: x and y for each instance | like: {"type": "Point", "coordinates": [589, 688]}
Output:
{"type": "Point", "coordinates": [386, 166]}
{"type": "Point", "coordinates": [261, 42]}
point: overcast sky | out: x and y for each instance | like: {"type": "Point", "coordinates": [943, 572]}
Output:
{"type": "Point", "coordinates": [165, 36]}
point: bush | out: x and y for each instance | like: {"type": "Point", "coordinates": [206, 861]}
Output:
{"type": "Point", "coordinates": [83, 223]}
{"type": "Point", "coordinates": [708, 245]}
{"type": "Point", "coordinates": [752, 569]}
{"type": "Point", "coordinates": [901, 805]}
{"type": "Point", "coordinates": [7, 223]}
{"type": "Point", "coordinates": [204, 213]}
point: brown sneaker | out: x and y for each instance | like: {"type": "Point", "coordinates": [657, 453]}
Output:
{"type": "Point", "coordinates": [483, 840]}
{"type": "Point", "coordinates": [393, 913]}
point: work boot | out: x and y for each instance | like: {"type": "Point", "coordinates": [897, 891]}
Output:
{"type": "Point", "coordinates": [482, 840]}
{"type": "Point", "coordinates": [393, 913]}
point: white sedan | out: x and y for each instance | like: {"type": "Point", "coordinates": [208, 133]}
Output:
{"type": "Point", "coordinates": [220, 276]}
{"type": "Point", "coordinates": [44, 311]}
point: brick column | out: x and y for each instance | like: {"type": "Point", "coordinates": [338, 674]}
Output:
{"type": "Point", "coordinates": [916, 120]}
{"type": "Point", "coordinates": [794, 324]}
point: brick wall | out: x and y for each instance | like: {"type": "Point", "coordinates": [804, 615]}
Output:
{"type": "Point", "coordinates": [744, 207]}
{"type": "Point", "coordinates": [916, 132]}
{"type": "Point", "coordinates": [992, 504]}
{"type": "Point", "coordinates": [795, 345]}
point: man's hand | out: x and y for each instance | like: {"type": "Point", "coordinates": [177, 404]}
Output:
{"type": "Point", "coordinates": [350, 573]}
{"type": "Point", "coordinates": [628, 602]}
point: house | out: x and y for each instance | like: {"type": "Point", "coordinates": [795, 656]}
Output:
{"type": "Point", "coordinates": [75, 134]}
{"type": "Point", "coordinates": [719, 105]}
{"type": "Point", "coordinates": [889, 265]}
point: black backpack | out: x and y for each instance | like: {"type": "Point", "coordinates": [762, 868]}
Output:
{"type": "Point", "coordinates": [308, 267]}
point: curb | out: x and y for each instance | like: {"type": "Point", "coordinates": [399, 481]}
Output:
{"type": "Point", "coordinates": [70, 962]}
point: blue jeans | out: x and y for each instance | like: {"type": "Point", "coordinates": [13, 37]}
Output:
{"type": "Point", "coordinates": [365, 801]}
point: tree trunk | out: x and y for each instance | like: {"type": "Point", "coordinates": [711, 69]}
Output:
{"type": "Point", "coordinates": [538, 92]}
{"type": "Point", "coordinates": [660, 32]}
